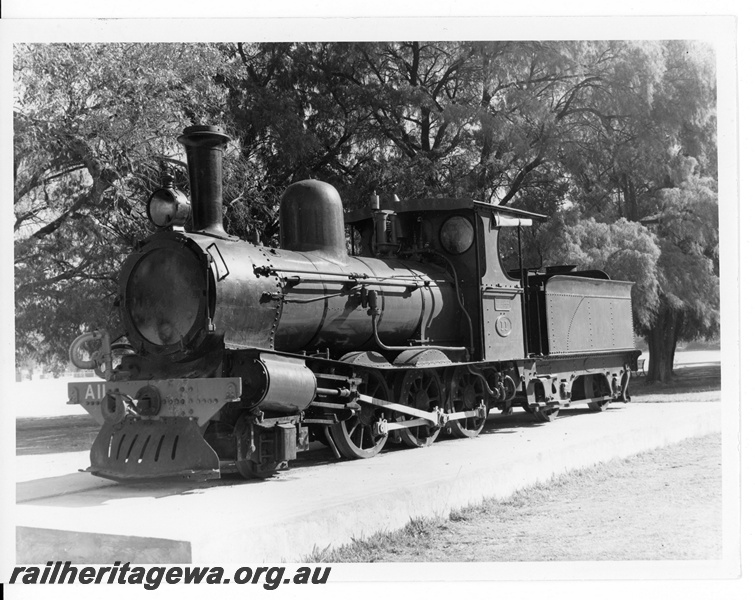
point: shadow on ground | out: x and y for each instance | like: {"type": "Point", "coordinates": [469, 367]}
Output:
{"type": "Point", "coordinates": [688, 378]}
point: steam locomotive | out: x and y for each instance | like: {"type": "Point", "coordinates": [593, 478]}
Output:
{"type": "Point", "coordinates": [239, 355]}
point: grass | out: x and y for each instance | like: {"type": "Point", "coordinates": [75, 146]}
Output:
{"type": "Point", "coordinates": [591, 514]}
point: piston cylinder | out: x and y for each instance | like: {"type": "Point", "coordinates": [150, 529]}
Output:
{"type": "Point", "coordinates": [284, 384]}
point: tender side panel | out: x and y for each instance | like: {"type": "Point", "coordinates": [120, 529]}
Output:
{"type": "Point", "coordinates": [588, 315]}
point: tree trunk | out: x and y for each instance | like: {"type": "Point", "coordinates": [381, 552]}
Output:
{"type": "Point", "coordinates": [662, 345]}
{"type": "Point", "coordinates": [631, 211]}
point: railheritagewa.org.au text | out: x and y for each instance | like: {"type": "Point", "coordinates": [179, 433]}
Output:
{"type": "Point", "coordinates": [152, 577]}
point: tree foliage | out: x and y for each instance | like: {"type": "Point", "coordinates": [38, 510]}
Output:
{"type": "Point", "coordinates": [615, 139]}
{"type": "Point", "coordinates": [88, 145]}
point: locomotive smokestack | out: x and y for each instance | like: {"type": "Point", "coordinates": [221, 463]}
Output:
{"type": "Point", "coordinates": [204, 152]}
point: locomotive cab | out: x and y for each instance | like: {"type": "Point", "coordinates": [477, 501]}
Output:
{"type": "Point", "coordinates": [461, 236]}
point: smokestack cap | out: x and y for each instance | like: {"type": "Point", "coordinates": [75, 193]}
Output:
{"type": "Point", "coordinates": [201, 134]}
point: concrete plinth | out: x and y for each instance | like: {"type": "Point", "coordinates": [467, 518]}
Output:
{"type": "Point", "coordinates": [74, 516]}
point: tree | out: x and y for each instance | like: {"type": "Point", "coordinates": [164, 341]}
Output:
{"type": "Point", "coordinates": [606, 136]}
{"type": "Point", "coordinates": [485, 119]}
{"type": "Point", "coordinates": [650, 149]}
{"type": "Point", "coordinates": [88, 146]}
{"type": "Point", "coordinates": [687, 226]}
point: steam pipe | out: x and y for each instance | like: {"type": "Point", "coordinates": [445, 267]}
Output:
{"type": "Point", "coordinates": [204, 153]}
{"type": "Point", "coordinates": [375, 312]}
{"type": "Point", "coordinates": [459, 299]}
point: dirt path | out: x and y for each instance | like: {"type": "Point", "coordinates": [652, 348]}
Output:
{"type": "Point", "coordinates": [659, 505]}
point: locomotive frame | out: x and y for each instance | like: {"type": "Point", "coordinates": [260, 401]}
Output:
{"type": "Point", "coordinates": [238, 355]}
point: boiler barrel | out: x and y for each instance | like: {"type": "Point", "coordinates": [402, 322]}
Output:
{"type": "Point", "coordinates": [329, 309]}
{"type": "Point", "coordinates": [293, 301]}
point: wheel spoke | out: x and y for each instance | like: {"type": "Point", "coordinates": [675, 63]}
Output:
{"type": "Point", "coordinates": [349, 441]}
{"type": "Point", "coordinates": [465, 393]}
{"type": "Point", "coordinates": [421, 390]}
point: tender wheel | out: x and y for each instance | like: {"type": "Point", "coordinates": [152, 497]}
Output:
{"type": "Point", "coordinates": [598, 406]}
{"type": "Point", "coordinates": [545, 415]}
{"type": "Point", "coordinates": [594, 389]}
{"type": "Point", "coordinates": [420, 389]}
{"type": "Point", "coordinates": [465, 392]}
{"type": "Point", "coordinates": [355, 437]}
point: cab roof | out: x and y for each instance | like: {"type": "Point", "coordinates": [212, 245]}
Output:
{"type": "Point", "coordinates": [438, 204]}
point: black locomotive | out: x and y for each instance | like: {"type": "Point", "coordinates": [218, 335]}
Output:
{"type": "Point", "coordinates": [239, 354]}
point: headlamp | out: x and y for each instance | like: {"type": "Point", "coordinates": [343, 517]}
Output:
{"type": "Point", "coordinates": [167, 207]}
